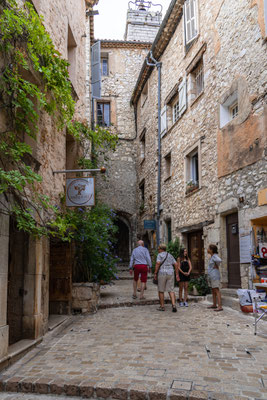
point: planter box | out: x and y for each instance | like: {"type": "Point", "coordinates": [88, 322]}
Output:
{"type": "Point", "coordinates": [85, 296]}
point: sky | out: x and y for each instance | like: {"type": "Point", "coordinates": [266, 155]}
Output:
{"type": "Point", "coordinates": [110, 23]}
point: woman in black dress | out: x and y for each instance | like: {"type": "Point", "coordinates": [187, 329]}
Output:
{"type": "Point", "coordinates": [185, 268]}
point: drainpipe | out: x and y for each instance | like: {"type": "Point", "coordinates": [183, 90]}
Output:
{"type": "Point", "coordinates": [157, 64]}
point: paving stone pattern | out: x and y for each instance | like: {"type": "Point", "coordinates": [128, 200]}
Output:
{"type": "Point", "coordinates": [139, 353]}
{"type": "Point", "coordinates": [27, 396]}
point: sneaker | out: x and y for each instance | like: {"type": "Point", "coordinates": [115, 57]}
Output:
{"type": "Point", "coordinates": [185, 304]}
{"type": "Point", "coordinates": [181, 304]}
{"type": "Point", "coordinates": [174, 309]}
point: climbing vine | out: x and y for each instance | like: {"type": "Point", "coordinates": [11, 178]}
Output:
{"type": "Point", "coordinates": [33, 80]}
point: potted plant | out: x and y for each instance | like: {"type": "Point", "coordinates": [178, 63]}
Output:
{"type": "Point", "coordinates": [191, 186]}
{"type": "Point", "coordinates": [199, 286]}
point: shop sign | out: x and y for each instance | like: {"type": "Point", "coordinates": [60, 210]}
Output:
{"type": "Point", "coordinates": [80, 192]}
{"type": "Point", "coordinates": [263, 250]}
{"type": "Point", "coordinates": [150, 224]}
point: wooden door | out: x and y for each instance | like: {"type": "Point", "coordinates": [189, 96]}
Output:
{"type": "Point", "coordinates": [234, 280]}
{"type": "Point", "coordinates": [60, 280]}
{"type": "Point", "coordinates": [196, 252]}
{"type": "Point", "coordinates": [18, 258]}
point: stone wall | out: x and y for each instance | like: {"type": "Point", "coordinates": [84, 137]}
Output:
{"type": "Point", "coordinates": [66, 23]}
{"type": "Point", "coordinates": [231, 46]}
{"type": "Point", "coordinates": [85, 297]}
{"type": "Point", "coordinates": [118, 187]}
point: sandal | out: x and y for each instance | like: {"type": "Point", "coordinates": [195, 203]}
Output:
{"type": "Point", "coordinates": [212, 307]}
{"type": "Point", "coordinates": [161, 309]}
{"type": "Point", "coordinates": [142, 298]}
{"type": "Point", "coordinates": [218, 309]}
{"type": "Point", "coordinates": [134, 297]}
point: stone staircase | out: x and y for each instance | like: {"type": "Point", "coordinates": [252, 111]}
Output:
{"type": "Point", "coordinates": [123, 271]}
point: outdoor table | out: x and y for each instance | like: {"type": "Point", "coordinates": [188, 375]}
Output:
{"type": "Point", "coordinates": [259, 308]}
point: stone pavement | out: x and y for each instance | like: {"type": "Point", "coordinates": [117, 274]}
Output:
{"type": "Point", "coordinates": [120, 295]}
{"type": "Point", "coordinates": [27, 396]}
{"type": "Point", "coordinates": [139, 353]}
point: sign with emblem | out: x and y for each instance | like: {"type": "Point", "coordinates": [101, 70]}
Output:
{"type": "Point", "coordinates": [80, 192]}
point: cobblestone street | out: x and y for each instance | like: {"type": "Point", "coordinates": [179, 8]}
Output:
{"type": "Point", "coordinates": [136, 352]}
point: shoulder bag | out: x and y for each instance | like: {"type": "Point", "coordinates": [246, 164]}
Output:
{"type": "Point", "coordinates": [155, 280]}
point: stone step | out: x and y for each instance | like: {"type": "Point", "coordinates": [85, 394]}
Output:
{"type": "Point", "coordinates": [227, 301]}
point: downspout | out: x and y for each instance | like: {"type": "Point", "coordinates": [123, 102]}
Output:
{"type": "Point", "coordinates": [157, 64]}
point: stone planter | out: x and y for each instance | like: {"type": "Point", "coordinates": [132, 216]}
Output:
{"type": "Point", "coordinates": [85, 297]}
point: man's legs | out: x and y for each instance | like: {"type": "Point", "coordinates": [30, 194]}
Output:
{"type": "Point", "coordinates": [134, 287]}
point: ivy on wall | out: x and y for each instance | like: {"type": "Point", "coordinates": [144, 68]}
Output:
{"type": "Point", "coordinates": [33, 80]}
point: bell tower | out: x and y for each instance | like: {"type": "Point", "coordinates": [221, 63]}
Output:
{"type": "Point", "coordinates": [143, 21]}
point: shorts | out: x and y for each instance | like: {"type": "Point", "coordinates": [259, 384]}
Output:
{"type": "Point", "coordinates": [215, 284]}
{"type": "Point", "coordinates": [140, 269]}
{"type": "Point", "coordinates": [166, 283]}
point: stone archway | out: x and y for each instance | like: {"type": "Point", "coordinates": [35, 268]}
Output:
{"type": "Point", "coordinates": [123, 244]}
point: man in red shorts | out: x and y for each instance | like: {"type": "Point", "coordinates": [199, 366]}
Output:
{"type": "Point", "coordinates": [140, 262]}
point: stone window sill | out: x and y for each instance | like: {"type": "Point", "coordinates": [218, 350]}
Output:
{"type": "Point", "coordinates": [142, 161]}
{"type": "Point", "coordinates": [193, 192]}
{"type": "Point", "coordinates": [197, 98]}
{"type": "Point", "coordinates": [168, 178]}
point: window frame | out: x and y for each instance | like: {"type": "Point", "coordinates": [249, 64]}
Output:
{"type": "Point", "coordinates": [103, 103]}
{"type": "Point", "coordinates": [168, 165]}
{"type": "Point", "coordinates": [190, 185]}
{"type": "Point", "coordinates": [226, 109]}
{"type": "Point", "coordinates": [104, 58]}
{"type": "Point", "coordinates": [188, 22]}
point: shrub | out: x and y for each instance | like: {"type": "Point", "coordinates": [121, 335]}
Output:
{"type": "Point", "coordinates": [201, 284]}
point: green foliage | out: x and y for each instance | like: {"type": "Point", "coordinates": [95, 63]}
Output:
{"type": "Point", "coordinates": [201, 284]}
{"type": "Point", "coordinates": [93, 232]}
{"type": "Point", "coordinates": [173, 247]}
{"type": "Point", "coordinates": [34, 79]}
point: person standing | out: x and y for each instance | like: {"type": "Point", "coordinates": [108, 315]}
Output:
{"type": "Point", "coordinates": [185, 268]}
{"type": "Point", "coordinates": [140, 262]}
{"type": "Point", "coordinates": [164, 271]}
{"type": "Point", "coordinates": [214, 275]}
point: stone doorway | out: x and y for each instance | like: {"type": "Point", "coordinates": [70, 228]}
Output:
{"type": "Point", "coordinates": [60, 277]}
{"type": "Point", "coordinates": [122, 245]}
{"type": "Point", "coordinates": [18, 260]}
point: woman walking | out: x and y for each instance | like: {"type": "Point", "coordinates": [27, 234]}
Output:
{"type": "Point", "coordinates": [164, 271]}
{"type": "Point", "coordinates": [185, 268]}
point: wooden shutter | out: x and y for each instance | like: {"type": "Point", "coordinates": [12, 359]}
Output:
{"type": "Point", "coordinates": [182, 97]}
{"type": "Point", "coordinates": [163, 120]}
{"type": "Point", "coordinates": [190, 20]}
{"type": "Point", "coordinates": [265, 16]}
{"type": "Point", "coordinates": [96, 70]}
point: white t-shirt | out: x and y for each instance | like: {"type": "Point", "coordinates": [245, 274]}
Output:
{"type": "Point", "coordinates": [167, 267]}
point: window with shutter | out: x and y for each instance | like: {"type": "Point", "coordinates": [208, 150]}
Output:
{"type": "Point", "coordinates": [182, 97]}
{"type": "Point", "coordinates": [96, 70]}
{"type": "Point", "coordinates": [163, 120]}
{"type": "Point", "coordinates": [190, 20]}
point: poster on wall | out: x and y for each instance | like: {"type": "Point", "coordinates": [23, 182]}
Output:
{"type": "Point", "coordinates": [244, 245]}
{"type": "Point", "coordinates": [80, 192]}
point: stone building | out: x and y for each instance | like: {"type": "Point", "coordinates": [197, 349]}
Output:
{"type": "Point", "coordinates": [35, 275]}
{"type": "Point", "coordinates": [213, 131]}
{"type": "Point", "coordinates": [120, 65]}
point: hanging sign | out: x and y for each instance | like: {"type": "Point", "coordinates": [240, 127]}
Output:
{"type": "Point", "coordinates": [150, 224]}
{"type": "Point", "coordinates": [263, 250]}
{"type": "Point", "coordinates": [80, 192]}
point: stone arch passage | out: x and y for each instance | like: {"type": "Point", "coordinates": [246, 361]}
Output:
{"type": "Point", "coordinates": [122, 245]}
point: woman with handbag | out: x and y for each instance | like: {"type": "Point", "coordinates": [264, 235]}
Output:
{"type": "Point", "coordinates": [164, 274]}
